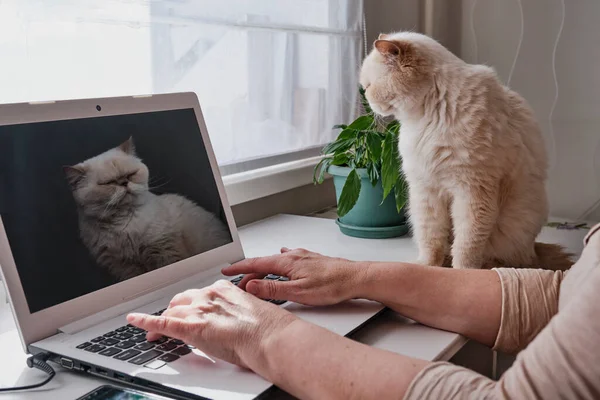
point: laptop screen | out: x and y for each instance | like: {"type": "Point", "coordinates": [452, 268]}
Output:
{"type": "Point", "coordinates": [87, 203]}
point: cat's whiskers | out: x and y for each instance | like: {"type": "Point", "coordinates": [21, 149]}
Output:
{"type": "Point", "coordinates": [150, 182]}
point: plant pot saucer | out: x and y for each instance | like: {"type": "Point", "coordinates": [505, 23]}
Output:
{"type": "Point", "coordinates": [366, 232]}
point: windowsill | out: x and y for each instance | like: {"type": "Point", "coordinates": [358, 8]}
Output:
{"type": "Point", "coordinates": [262, 182]}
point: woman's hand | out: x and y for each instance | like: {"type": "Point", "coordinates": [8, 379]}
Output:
{"type": "Point", "coordinates": [220, 320]}
{"type": "Point", "coordinates": [314, 279]}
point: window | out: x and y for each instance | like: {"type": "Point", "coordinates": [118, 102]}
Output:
{"type": "Point", "coordinates": [273, 76]}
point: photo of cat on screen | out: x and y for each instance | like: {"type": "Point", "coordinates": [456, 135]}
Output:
{"type": "Point", "coordinates": [128, 229]}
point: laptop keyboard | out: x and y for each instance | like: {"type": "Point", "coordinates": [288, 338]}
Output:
{"type": "Point", "coordinates": [129, 343]}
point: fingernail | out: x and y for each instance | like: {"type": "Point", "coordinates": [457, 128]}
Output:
{"type": "Point", "coordinates": [133, 317]}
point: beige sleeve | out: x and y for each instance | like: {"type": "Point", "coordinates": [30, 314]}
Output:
{"type": "Point", "coordinates": [529, 301]}
{"type": "Point", "coordinates": [560, 363]}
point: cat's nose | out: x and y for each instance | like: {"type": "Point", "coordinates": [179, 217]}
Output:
{"type": "Point", "coordinates": [123, 182]}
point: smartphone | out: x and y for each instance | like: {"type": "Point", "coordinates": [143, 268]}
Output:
{"type": "Point", "coordinates": [108, 392]}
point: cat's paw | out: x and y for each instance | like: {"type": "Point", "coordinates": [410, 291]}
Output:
{"type": "Point", "coordinates": [463, 266]}
{"type": "Point", "coordinates": [466, 264]}
{"type": "Point", "coordinates": [432, 260]}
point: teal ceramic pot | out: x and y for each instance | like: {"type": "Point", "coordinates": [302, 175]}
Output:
{"type": "Point", "coordinates": [369, 218]}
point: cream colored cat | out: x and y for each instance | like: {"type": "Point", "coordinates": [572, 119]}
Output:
{"type": "Point", "coordinates": [472, 153]}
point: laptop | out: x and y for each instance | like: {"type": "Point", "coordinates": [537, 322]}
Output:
{"type": "Point", "coordinates": [115, 205]}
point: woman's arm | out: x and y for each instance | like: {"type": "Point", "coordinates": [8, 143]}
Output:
{"type": "Point", "coordinates": [464, 301]}
{"type": "Point", "coordinates": [468, 302]}
{"type": "Point", "coordinates": [313, 363]}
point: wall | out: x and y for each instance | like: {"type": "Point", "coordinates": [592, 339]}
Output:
{"type": "Point", "coordinates": [384, 16]}
{"type": "Point", "coordinates": [547, 50]}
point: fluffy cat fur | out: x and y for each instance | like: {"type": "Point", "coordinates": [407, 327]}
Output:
{"type": "Point", "coordinates": [128, 229]}
{"type": "Point", "coordinates": [472, 153]}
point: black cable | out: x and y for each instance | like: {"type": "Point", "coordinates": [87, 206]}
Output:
{"type": "Point", "coordinates": [38, 362]}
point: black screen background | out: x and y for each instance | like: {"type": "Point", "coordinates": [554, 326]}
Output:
{"type": "Point", "coordinates": [37, 207]}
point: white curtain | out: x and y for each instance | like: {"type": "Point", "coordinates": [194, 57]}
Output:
{"type": "Point", "coordinates": [273, 76]}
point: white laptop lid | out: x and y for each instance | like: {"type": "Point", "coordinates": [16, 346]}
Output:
{"type": "Point", "coordinates": [58, 226]}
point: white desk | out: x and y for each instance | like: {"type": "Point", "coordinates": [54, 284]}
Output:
{"type": "Point", "coordinates": [388, 331]}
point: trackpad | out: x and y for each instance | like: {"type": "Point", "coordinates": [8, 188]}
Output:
{"type": "Point", "coordinates": [341, 318]}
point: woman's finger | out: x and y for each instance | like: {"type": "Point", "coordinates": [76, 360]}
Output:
{"type": "Point", "coordinates": [248, 278]}
{"type": "Point", "coordinates": [165, 326]}
{"type": "Point", "coordinates": [264, 265]}
{"type": "Point", "coordinates": [181, 299]}
{"type": "Point", "coordinates": [276, 290]}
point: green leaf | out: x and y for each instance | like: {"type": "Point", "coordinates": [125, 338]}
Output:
{"type": "Point", "coordinates": [375, 146]}
{"type": "Point", "coordinates": [341, 126]}
{"type": "Point", "coordinates": [340, 159]}
{"type": "Point", "coordinates": [400, 193]}
{"type": "Point", "coordinates": [393, 127]}
{"type": "Point", "coordinates": [362, 123]}
{"type": "Point", "coordinates": [320, 169]}
{"type": "Point", "coordinates": [373, 173]}
{"type": "Point", "coordinates": [324, 168]}
{"type": "Point", "coordinates": [338, 146]}
{"type": "Point", "coordinates": [350, 193]}
{"type": "Point", "coordinates": [390, 164]}
{"type": "Point", "coordinates": [347, 134]}
{"type": "Point", "coordinates": [364, 101]}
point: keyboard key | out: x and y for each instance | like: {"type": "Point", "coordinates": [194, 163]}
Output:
{"type": "Point", "coordinates": [84, 345]}
{"type": "Point", "coordinates": [166, 347]}
{"type": "Point", "coordinates": [181, 351]}
{"type": "Point", "coordinates": [111, 351]}
{"type": "Point", "coordinates": [98, 339]}
{"type": "Point", "coordinates": [237, 279]}
{"type": "Point", "coordinates": [169, 357]}
{"type": "Point", "coordinates": [138, 338]}
{"type": "Point", "coordinates": [122, 336]}
{"type": "Point", "coordinates": [125, 345]}
{"type": "Point", "coordinates": [144, 346]}
{"type": "Point", "coordinates": [109, 334]}
{"type": "Point", "coordinates": [95, 348]}
{"type": "Point", "coordinates": [109, 342]}
{"type": "Point", "coordinates": [147, 356]}
{"type": "Point", "coordinates": [126, 355]}
{"type": "Point", "coordinates": [177, 342]}
{"type": "Point", "coordinates": [272, 277]}
{"type": "Point", "coordinates": [121, 329]}
{"type": "Point", "coordinates": [284, 278]}
{"type": "Point", "coordinates": [136, 331]}
{"type": "Point", "coordinates": [278, 302]}
{"type": "Point", "coordinates": [160, 340]}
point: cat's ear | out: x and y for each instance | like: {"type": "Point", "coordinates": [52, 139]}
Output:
{"type": "Point", "coordinates": [383, 36]}
{"type": "Point", "coordinates": [74, 174]}
{"type": "Point", "coordinates": [390, 48]}
{"type": "Point", "coordinates": [128, 147]}
{"type": "Point", "coordinates": [387, 47]}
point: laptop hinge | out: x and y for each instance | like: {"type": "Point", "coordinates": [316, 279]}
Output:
{"type": "Point", "coordinates": [144, 297]}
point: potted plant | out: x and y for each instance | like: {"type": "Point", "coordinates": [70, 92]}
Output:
{"type": "Point", "coordinates": [370, 189]}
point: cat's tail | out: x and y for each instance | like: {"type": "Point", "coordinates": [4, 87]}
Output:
{"type": "Point", "coordinates": [553, 257]}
